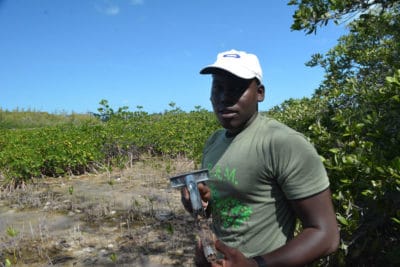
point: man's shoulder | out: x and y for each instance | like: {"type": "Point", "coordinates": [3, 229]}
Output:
{"type": "Point", "coordinates": [272, 126]}
{"type": "Point", "coordinates": [277, 133]}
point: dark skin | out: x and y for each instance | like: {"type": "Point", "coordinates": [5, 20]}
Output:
{"type": "Point", "coordinates": [235, 101]}
{"type": "Point", "coordinates": [235, 104]}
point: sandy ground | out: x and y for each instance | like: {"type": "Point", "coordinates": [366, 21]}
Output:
{"type": "Point", "coordinates": [129, 217]}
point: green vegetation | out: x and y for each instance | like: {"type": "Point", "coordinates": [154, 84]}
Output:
{"type": "Point", "coordinates": [32, 119]}
{"type": "Point", "coordinates": [12, 233]}
{"type": "Point", "coordinates": [354, 121]}
{"type": "Point", "coordinates": [116, 139]}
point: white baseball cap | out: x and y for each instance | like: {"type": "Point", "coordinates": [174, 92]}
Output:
{"type": "Point", "coordinates": [239, 63]}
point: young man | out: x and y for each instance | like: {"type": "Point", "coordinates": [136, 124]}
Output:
{"type": "Point", "coordinates": [263, 175]}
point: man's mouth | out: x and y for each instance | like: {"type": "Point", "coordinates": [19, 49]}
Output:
{"type": "Point", "coordinates": [227, 113]}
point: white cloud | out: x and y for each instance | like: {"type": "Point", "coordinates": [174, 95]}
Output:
{"type": "Point", "coordinates": [111, 10]}
{"type": "Point", "coordinates": [107, 8]}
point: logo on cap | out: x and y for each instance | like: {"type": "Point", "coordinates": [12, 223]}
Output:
{"type": "Point", "coordinates": [232, 55]}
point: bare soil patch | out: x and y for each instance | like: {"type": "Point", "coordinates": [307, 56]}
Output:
{"type": "Point", "coordinates": [127, 217]}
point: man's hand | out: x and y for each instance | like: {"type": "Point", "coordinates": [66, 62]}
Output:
{"type": "Point", "coordinates": [232, 257]}
{"type": "Point", "coordinates": [205, 194]}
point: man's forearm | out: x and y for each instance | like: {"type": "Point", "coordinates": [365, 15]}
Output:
{"type": "Point", "coordinates": [319, 237]}
{"type": "Point", "coordinates": [310, 245]}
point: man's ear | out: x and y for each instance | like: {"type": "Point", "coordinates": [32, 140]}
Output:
{"type": "Point", "coordinates": [260, 93]}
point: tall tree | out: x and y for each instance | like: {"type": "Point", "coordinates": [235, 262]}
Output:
{"type": "Point", "coordinates": [355, 124]}
{"type": "Point", "coordinates": [314, 13]}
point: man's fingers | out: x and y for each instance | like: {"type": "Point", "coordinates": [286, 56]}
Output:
{"type": "Point", "coordinates": [218, 263]}
{"type": "Point", "coordinates": [204, 203]}
{"type": "Point", "coordinates": [185, 199]}
{"type": "Point", "coordinates": [205, 194]}
{"type": "Point", "coordinates": [205, 191]}
{"type": "Point", "coordinates": [221, 247]}
{"type": "Point", "coordinates": [185, 193]}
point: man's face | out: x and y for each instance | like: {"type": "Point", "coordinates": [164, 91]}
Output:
{"type": "Point", "coordinates": [235, 100]}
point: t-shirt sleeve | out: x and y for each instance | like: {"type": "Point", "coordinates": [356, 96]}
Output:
{"type": "Point", "coordinates": [298, 167]}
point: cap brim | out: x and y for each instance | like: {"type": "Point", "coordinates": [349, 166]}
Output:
{"type": "Point", "coordinates": [213, 69]}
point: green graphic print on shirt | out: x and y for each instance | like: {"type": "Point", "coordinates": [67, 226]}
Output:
{"type": "Point", "coordinates": [229, 211]}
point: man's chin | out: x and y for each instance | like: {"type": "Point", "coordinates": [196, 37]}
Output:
{"type": "Point", "coordinates": [230, 125]}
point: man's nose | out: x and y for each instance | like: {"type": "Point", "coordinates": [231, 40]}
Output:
{"type": "Point", "coordinates": [225, 97]}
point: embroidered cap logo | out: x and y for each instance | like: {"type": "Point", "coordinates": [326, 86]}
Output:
{"type": "Point", "coordinates": [232, 55]}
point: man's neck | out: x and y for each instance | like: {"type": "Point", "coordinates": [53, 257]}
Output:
{"type": "Point", "coordinates": [233, 132]}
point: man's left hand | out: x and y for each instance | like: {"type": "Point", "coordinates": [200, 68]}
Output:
{"type": "Point", "coordinates": [232, 257]}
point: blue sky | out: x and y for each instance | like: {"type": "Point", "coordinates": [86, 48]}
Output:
{"type": "Point", "coordinates": [67, 55]}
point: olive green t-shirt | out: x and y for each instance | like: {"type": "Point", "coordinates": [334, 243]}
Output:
{"type": "Point", "coordinates": [252, 177]}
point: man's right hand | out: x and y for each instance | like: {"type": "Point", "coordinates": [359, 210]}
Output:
{"type": "Point", "coordinates": [205, 194]}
